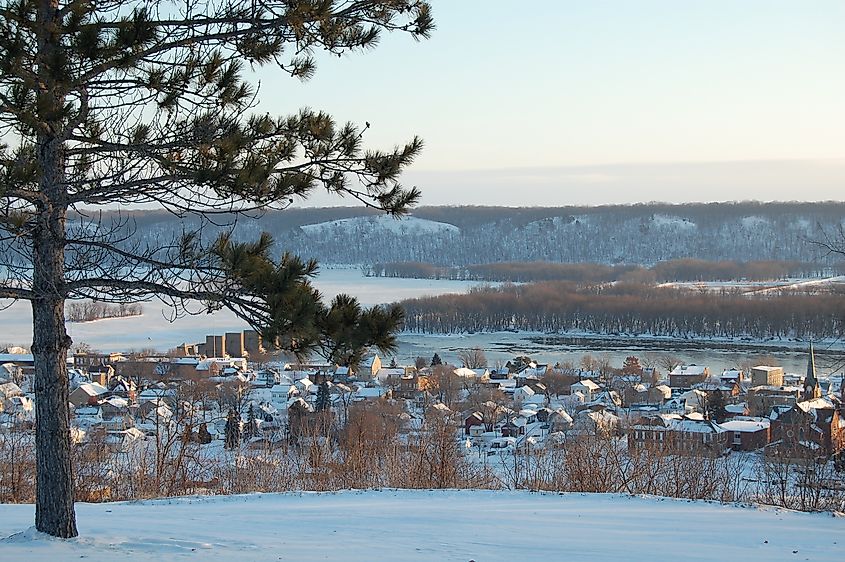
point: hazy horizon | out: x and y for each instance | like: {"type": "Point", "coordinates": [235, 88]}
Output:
{"type": "Point", "coordinates": [785, 181]}
{"type": "Point", "coordinates": [600, 102]}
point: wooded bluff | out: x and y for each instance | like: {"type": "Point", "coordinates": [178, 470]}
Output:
{"type": "Point", "coordinates": [457, 236]}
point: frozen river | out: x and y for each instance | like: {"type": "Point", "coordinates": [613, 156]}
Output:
{"type": "Point", "coordinates": [156, 330]}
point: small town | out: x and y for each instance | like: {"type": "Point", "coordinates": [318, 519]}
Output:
{"type": "Point", "coordinates": [182, 418]}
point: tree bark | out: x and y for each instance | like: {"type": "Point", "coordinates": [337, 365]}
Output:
{"type": "Point", "coordinates": [54, 513]}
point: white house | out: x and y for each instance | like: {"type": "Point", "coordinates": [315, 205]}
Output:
{"type": "Point", "coordinates": [523, 393]}
{"type": "Point", "coordinates": [586, 387]}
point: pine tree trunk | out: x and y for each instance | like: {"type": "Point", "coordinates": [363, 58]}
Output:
{"type": "Point", "coordinates": [54, 513]}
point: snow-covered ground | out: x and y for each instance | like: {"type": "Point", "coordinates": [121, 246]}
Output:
{"type": "Point", "coordinates": [760, 287]}
{"type": "Point", "coordinates": [155, 330]}
{"type": "Point", "coordinates": [428, 525]}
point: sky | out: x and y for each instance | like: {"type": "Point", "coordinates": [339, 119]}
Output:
{"type": "Point", "coordinates": [599, 102]}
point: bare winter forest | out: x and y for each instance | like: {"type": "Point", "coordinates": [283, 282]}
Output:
{"type": "Point", "coordinates": [459, 236]}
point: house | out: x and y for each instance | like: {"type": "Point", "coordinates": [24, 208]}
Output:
{"type": "Point", "coordinates": [747, 433]}
{"type": "Point", "coordinates": [475, 419]}
{"type": "Point", "coordinates": [17, 411]}
{"type": "Point", "coordinates": [595, 420]}
{"type": "Point", "coordinates": [678, 434]}
{"type": "Point", "coordinates": [559, 421]}
{"type": "Point", "coordinates": [87, 394]}
{"type": "Point", "coordinates": [476, 374]}
{"type": "Point", "coordinates": [732, 375]}
{"type": "Point", "coordinates": [101, 374]}
{"type": "Point", "coordinates": [9, 372]}
{"type": "Point", "coordinates": [9, 390]}
{"type": "Point", "coordinates": [281, 393]}
{"type": "Point", "coordinates": [158, 394]}
{"type": "Point", "coordinates": [368, 367]}
{"type": "Point", "coordinates": [685, 376]}
{"type": "Point", "coordinates": [640, 394]}
{"type": "Point", "coordinates": [586, 387]}
{"type": "Point", "coordinates": [115, 413]}
{"type": "Point", "coordinates": [523, 393]}
{"type": "Point", "coordinates": [362, 393]}
{"type": "Point", "coordinates": [123, 440]}
{"type": "Point", "coordinates": [88, 415]}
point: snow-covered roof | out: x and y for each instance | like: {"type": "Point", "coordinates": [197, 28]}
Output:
{"type": "Point", "coordinates": [684, 424]}
{"type": "Point", "coordinates": [117, 402]}
{"type": "Point", "coordinates": [689, 370]}
{"type": "Point", "coordinates": [587, 383]}
{"type": "Point", "coordinates": [370, 392]}
{"type": "Point", "coordinates": [391, 371]}
{"type": "Point", "coordinates": [773, 388]}
{"type": "Point", "coordinates": [93, 389]}
{"type": "Point", "coordinates": [563, 415]}
{"type": "Point", "coordinates": [665, 390]}
{"type": "Point", "coordinates": [9, 389]}
{"type": "Point", "coordinates": [816, 404]}
{"type": "Point", "coordinates": [746, 425]}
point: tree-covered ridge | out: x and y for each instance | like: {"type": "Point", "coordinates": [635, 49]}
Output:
{"type": "Point", "coordinates": [622, 234]}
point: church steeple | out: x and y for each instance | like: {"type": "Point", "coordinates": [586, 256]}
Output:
{"type": "Point", "coordinates": [811, 383]}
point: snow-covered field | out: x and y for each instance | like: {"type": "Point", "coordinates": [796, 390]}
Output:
{"type": "Point", "coordinates": [155, 330]}
{"type": "Point", "coordinates": [760, 287]}
{"type": "Point", "coordinates": [427, 525]}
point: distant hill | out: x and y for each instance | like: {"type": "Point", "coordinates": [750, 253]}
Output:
{"type": "Point", "coordinates": [641, 234]}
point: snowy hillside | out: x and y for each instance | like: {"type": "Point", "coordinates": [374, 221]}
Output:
{"type": "Point", "coordinates": [458, 236]}
{"type": "Point", "coordinates": [371, 224]}
{"type": "Point", "coordinates": [427, 525]}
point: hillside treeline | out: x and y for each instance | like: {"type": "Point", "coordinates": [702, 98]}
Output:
{"type": "Point", "coordinates": [672, 270]}
{"type": "Point", "coordinates": [630, 308]}
{"type": "Point", "coordinates": [88, 311]}
{"type": "Point", "coordinates": [641, 234]}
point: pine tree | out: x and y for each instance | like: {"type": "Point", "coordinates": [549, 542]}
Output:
{"type": "Point", "coordinates": [324, 401]}
{"type": "Point", "coordinates": [348, 331]}
{"type": "Point", "coordinates": [251, 426]}
{"type": "Point", "coordinates": [716, 409]}
{"type": "Point", "coordinates": [203, 435]}
{"type": "Point", "coordinates": [233, 430]}
{"type": "Point", "coordinates": [632, 366]}
{"type": "Point", "coordinates": [127, 102]}
{"type": "Point", "coordinates": [436, 360]}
